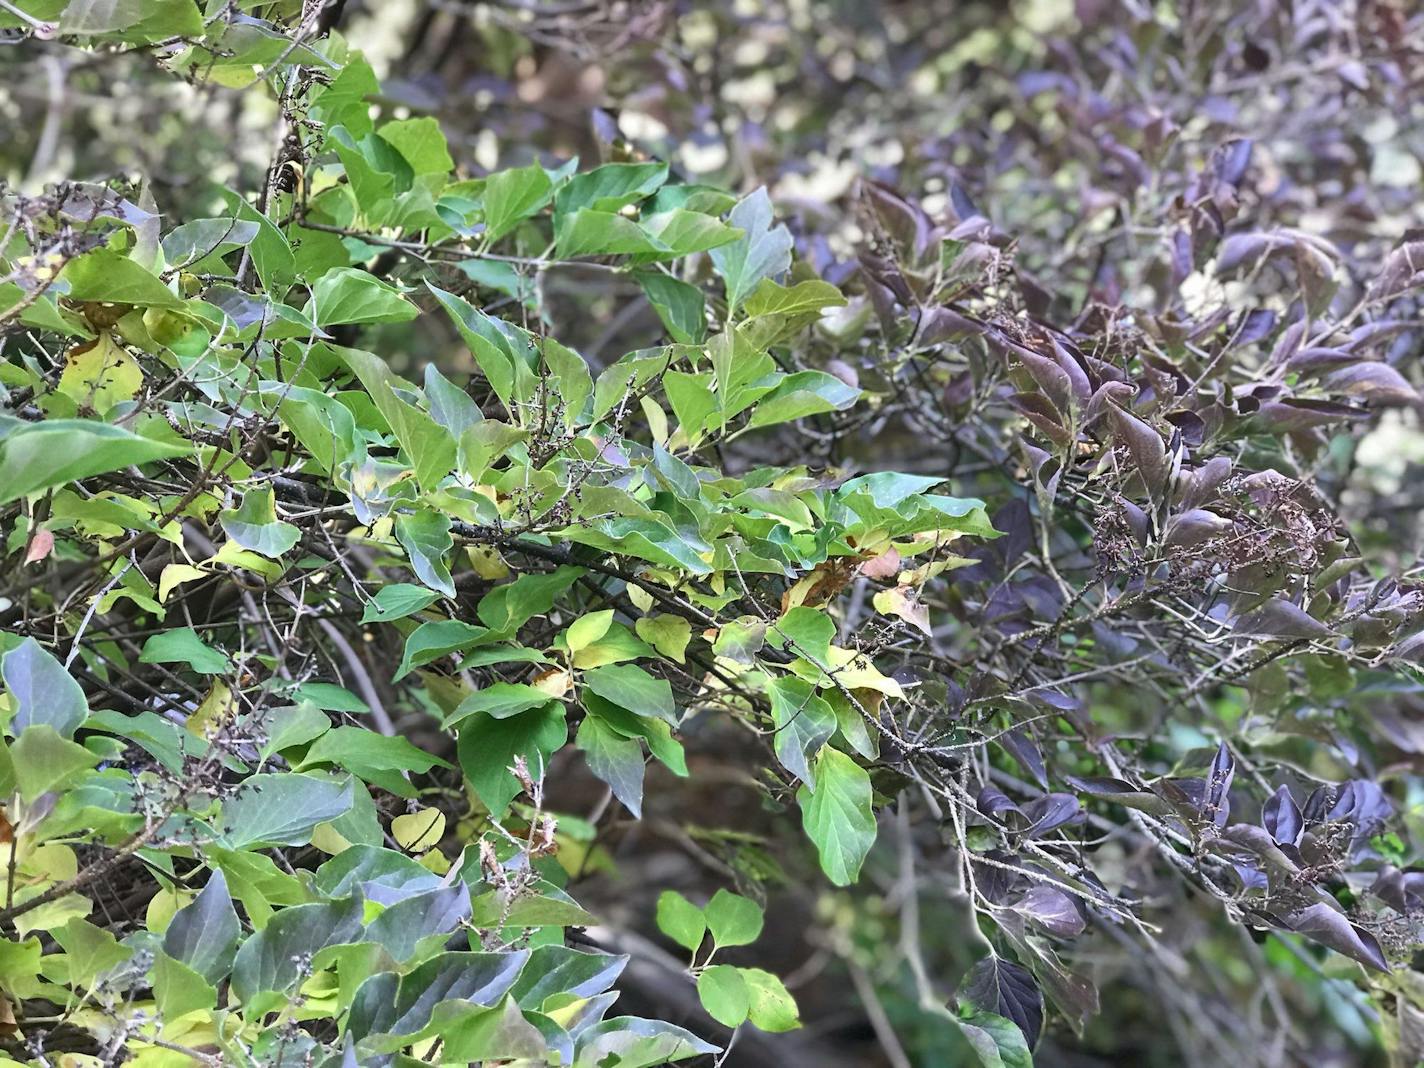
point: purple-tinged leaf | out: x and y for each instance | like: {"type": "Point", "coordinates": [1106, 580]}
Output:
{"type": "Point", "coordinates": [1149, 451]}
{"type": "Point", "coordinates": [1121, 793]}
{"type": "Point", "coordinates": [1025, 750]}
{"type": "Point", "coordinates": [1008, 990]}
{"type": "Point", "coordinates": [1231, 159]}
{"type": "Point", "coordinates": [1255, 325]}
{"type": "Point", "coordinates": [1279, 618]}
{"type": "Point", "coordinates": [1050, 811]}
{"type": "Point", "coordinates": [1331, 928]}
{"type": "Point", "coordinates": [1053, 910]}
{"type": "Point", "coordinates": [1242, 249]}
{"type": "Point", "coordinates": [1281, 817]}
{"type": "Point", "coordinates": [1402, 891]}
{"type": "Point", "coordinates": [997, 805]}
{"type": "Point", "coordinates": [1376, 382]}
{"type": "Point", "coordinates": [1194, 526]}
{"type": "Point", "coordinates": [1217, 803]}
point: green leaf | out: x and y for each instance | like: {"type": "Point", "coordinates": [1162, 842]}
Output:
{"type": "Point", "coordinates": [604, 233]}
{"type": "Point", "coordinates": [428, 446]}
{"type": "Point", "coordinates": [271, 252]}
{"type": "Point", "coordinates": [351, 295]}
{"type": "Point", "coordinates": [373, 757]}
{"type": "Point", "coordinates": [254, 524]}
{"type": "Point", "coordinates": [276, 957]}
{"type": "Point", "coordinates": [512, 196]}
{"type": "Point", "coordinates": [761, 252]}
{"type": "Point", "coordinates": [497, 1035]}
{"type": "Point", "coordinates": [42, 691]}
{"type": "Point", "coordinates": [997, 1042]}
{"type": "Point", "coordinates": [40, 456]}
{"type": "Point", "coordinates": [403, 1005]}
{"type": "Point", "coordinates": [396, 601]}
{"type": "Point", "coordinates": [773, 1009]}
{"type": "Point", "coordinates": [647, 539]}
{"type": "Point", "coordinates": [425, 536]}
{"type": "Point", "coordinates": [632, 1042]}
{"type": "Point", "coordinates": [436, 638]}
{"type": "Point", "coordinates": [203, 934]}
{"type": "Point", "coordinates": [571, 376]}
{"type": "Point", "coordinates": [344, 101]}
{"type": "Point", "coordinates": [178, 989]}
{"type": "Point", "coordinates": [507, 608]}
{"type": "Point", "coordinates": [740, 639]}
{"type": "Point", "coordinates": [488, 746]}
{"type": "Point", "coordinates": [183, 646]}
{"type": "Point", "coordinates": [281, 809]}
{"type": "Point", "coordinates": [679, 305]}
{"type": "Point", "coordinates": [108, 276]}
{"type": "Point", "coordinates": [838, 817]}
{"type": "Point", "coordinates": [611, 187]}
{"type": "Point", "coordinates": [421, 142]}
{"type": "Point", "coordinates": [499, 700]}
{"type": "Point", "coordinates": [323, 425]}
{"type": "Point", "coordinates": [492, 342]}
{"type": "Point", "coordinates": [630, 687]}
{"type": "Point", "coordinates": [724, 994]}
{"type": "Point", "coordinates": [805, 632]}
{"type": "Point", "coordinates": [733, 920]}
{"type": "Point", "coordinates": [655, 732]}
{"type": "Point", "coordinates": [683, 232]}
{"type": "Point", "coordinates": [89, 951]}
{"type": "Point", "coordinates": [44, 761]}
{"type": "Point", "coordinates": [616, 760]}
{"type": "Point", "coordinates": [888, 488]}
{"type": "Point", "coordinates": [801, 299]}
{"type": "Point", "coordinates": [553, 970]}
{"type": "Point", "coordinates": [201, 238]}
{"type": "Point", "coordinates": [450, 406]}
{"type": "Point", "coordinates": [804, 723]}
{"type": "Point", "coordinates": [405, 925]}
{"type": "Point", "coordinates": [681, 920]}
{"type": "Point", "coordinates": [132, 20]}
{"type": "Point", "coordinates": [801, 394]}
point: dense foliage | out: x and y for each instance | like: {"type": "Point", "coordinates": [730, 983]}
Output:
{"type": "Point", "coordinates": [464, 569]}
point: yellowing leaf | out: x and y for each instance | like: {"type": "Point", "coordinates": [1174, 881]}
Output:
{"type": "Point", "coordinates": [920, 575]}
{"type": "Point", "coordinates": [40, 546]}
{"type": "Point", "coordinates": [667, 633]}
{"type": "Point", "coordinates": [99, 374]}
{"type": "Point", "coordinates": [487, 562]}
{"type": "Point", "coordinates": [175, 575]}
{"type": "Point", "coordinates": [854, 671]}
{"type": "Point", "coordinates": [236, 556]}
{"type": "Point", "coordinates": [419, 830]}
{"type": "Point", "coordinates": [435, 861]}
{"type": "Point", "coordinates": [904, 602]}
{"type": "Point", "coordinates": [555, 682]}
{"type": "Point", "coordinates": [587, 630]}
{"type": "Point", "coordinates": [329, 840]}
{"type": "Point", "coordinates": [884, 566]}
{"type": "Point", "coordinates": [215, 710]}
{"type": "Point", "coordinates": [657, 419]}
{"type": "Point", "coordinates": [162, 906]}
